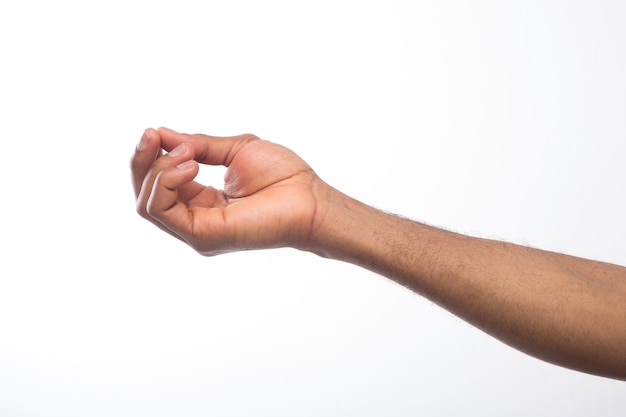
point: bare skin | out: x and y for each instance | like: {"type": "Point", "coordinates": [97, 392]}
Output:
{"type": "Point", "coordinates": [562, 309]}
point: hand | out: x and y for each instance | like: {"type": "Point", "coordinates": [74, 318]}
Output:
{"type": "Point", "coordinates": [268, 199]}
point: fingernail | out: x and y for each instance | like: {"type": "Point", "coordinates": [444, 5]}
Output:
{"type": "Point", "coordinates": [186, 165]}
{"type": "Point", "coordinates": [177, 151]}
{"type": "Point", "coordinates": [145, 140]}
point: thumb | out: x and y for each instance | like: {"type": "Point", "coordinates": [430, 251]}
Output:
{"type": "Point", "coordinates": [211, 150]}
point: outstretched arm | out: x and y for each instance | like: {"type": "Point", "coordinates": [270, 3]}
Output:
{"type": "Point", "coordinates": [565, 310]}
{"type": "Point", "coordinates": [562, 309]}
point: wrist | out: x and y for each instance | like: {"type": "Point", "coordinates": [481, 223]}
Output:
{"type": "Point", "coordinates": [344, 228]}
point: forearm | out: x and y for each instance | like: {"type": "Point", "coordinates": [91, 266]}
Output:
{"type": "Point", "coordinates": [562, 309]}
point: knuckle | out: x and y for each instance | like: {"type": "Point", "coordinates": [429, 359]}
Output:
{"type": "Point", "coordinates": [248, 137]}
{"type": "Point", "coordinates": [151, 209]}
{"type": "Point", "coordinates": [141, 210]}
{"type": "Point", "coordinates": [242, 142]}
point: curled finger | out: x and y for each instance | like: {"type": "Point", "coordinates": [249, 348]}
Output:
{"type": "Point", "coordinates": [163, 204]}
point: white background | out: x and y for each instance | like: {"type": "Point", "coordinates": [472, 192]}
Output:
{"type": "Point", "coordinates": [499, 119]}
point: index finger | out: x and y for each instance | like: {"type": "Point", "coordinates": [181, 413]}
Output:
{"type": "Point", "coordinates": [146, 152]}
{"type": "Point", "coordinates": [211, 150]}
